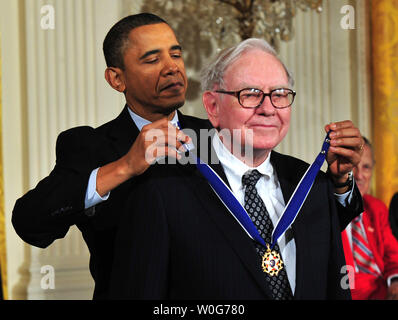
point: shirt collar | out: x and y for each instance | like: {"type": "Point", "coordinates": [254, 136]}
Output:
{"type": "Point", "coordinates": [140, 121]}
{"type": "Point", "coordinates": [234, 165]}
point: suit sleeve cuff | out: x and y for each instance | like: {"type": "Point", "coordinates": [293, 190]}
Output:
{"type": "Point", "coordinates": [345, 198]}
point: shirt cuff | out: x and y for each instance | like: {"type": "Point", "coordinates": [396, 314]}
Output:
{"type": "Point", "coordinates": [92, 197]}
{"type": "Point", "coordinates": [390, 278]}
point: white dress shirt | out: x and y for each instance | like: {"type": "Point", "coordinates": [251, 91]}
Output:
{"type": "Point", "coordinates": [269, 190]}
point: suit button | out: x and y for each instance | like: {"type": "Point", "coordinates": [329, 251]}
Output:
{"type": "Point", "coordinates": [56, 212]}
{"type": "Point", "coordinates": [90, 211]}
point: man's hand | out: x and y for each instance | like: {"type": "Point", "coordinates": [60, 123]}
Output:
{"type": "Point", "coordinates": [392, 293]}
{"type": "Point", "coordinates": [346, 148]}
{"type": "Point", "coordinates": [157, 139]}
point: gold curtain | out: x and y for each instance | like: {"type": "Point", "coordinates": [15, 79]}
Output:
{"type": "Point", "coordinates": [3, 262]}
{"type": "Point", "coordinates": [384, 15]}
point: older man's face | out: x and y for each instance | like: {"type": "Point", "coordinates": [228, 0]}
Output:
{"type": "Point", "coordinates": [254, 69]}
{"type": "Point", "coordinates": [363, 171]}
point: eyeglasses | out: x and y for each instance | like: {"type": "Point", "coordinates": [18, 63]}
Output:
{"type": "Point", "coordinates": [253, 98]}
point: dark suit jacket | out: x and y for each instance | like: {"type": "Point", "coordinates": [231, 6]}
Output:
{"type": "Point", "coordinates": [46, 212]}
{"type": "Point", "coordinates": [393, 215]}
{"type": "Point", "coordinates": [177, 240]}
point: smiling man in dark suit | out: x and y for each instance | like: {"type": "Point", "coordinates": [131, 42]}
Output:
{"type": "Point", "coordinates": [177, 240]}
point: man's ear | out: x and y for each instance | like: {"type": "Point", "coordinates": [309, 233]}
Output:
{"type": "Point", "coordinates": [115, 78]}
{"type": "Point", "coordinates": [210, 103]}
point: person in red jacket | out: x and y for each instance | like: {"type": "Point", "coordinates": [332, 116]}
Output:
{"type": "Point", "coordinates": [370, 248]}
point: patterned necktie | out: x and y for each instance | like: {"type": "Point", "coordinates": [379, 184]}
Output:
{"type": "Point", "coordinates": [363, 256]}
{"type": "Point", "coordinates": [255, 207]}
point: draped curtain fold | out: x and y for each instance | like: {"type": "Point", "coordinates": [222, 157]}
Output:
{"type": "Point", "coordinates": [3, 264]}
{"type": "Point", "coordinates": [384, 19]}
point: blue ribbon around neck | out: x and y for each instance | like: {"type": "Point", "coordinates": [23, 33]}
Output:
{"type": "Point", "coordinates": [291, 210]}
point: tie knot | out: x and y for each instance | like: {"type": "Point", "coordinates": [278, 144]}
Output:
{"type": "Point", "coordinates": [250, 178]}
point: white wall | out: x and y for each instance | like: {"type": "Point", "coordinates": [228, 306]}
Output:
{"type": "Point", "coordinates": [52, 80]}
{"type": "Point", "coordinates": [13, 131]}
{"type": "Point", "coordinates": [331, 69]}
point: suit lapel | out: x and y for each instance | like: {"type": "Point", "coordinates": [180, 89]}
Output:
{"type": "Point", "coordinates": [368, 224]}
{"type": "Point", "coordinates": [123, 132]}
{"type": "Point", "coordinates": [287, 181]}
{"type": "Point", "coordinates": [289, 176]}
{"type": "Point", "coordinates": [227, 225]}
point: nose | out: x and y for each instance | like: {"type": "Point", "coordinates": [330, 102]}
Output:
{"type": "Point", "coordinates": [170, 67]}
{"type": "Point", "coordinates": [266, 107]}
{"type": "Point", "coordinates": [357, 173]}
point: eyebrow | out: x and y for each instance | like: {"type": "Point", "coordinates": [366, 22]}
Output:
{"type": "Point", "coordinates": [251, 86]}
{"type": "Point", "coordinates": [151, 52]}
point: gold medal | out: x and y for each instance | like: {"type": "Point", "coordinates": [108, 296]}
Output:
{"type": "Point", "coordinates": [272, 262]}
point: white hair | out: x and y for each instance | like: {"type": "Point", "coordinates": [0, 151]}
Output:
{"type": "Point", "coordinates": [213, 73]}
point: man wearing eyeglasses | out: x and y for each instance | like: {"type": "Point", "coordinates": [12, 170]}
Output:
{"type": "Point", "coordinates": [188, 242]}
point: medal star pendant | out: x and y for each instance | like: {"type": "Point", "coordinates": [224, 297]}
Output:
{"type": "Point", "coordinates": [272, 262]}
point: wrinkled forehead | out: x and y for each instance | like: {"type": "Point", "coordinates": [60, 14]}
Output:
{"type": "Point", "coordinates": [151, 37]}
{"type": "Point", "coordinates": [367, 155]}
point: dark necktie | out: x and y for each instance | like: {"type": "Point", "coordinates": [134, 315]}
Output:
{"type": "Point", "coordinates": [255, 207]}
